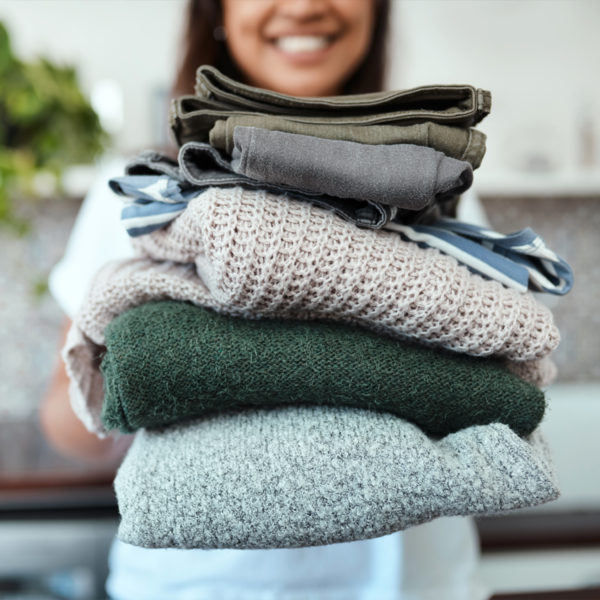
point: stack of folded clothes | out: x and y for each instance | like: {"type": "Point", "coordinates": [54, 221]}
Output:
{"type": "Point", "coordinates": [304, 345]}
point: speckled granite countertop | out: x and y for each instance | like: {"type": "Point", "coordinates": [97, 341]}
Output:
{"type": "Point", "coordinates": [30, 322]}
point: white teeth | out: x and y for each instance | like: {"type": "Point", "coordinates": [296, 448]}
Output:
{"type": "Point", "coordinates": [302, 43]}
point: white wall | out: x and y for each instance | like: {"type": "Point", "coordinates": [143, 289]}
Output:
{"type": "Point", "coordinates": [540, 59]}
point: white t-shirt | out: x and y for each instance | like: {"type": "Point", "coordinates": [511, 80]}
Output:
{"type": "Point", "coordinates": [436, 561]}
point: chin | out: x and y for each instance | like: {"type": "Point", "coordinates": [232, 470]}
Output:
{"type": "Point", "coordinates": [304, 84]}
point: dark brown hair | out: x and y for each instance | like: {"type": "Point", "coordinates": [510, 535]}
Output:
{"type": "Point", "coordinates": [203, 44]}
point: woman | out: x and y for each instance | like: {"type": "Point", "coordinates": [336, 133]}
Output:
{"type": "Point", "coordinates": [304, 48]}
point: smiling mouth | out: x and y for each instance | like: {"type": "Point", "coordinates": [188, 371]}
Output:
{"type": "Point", "coordinates": [302, 44]}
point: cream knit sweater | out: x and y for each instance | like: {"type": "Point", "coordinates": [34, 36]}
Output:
{"type": "Point", "coordinates": [265, 255]}
{"type": "Point", "coordinates": [253, 254]}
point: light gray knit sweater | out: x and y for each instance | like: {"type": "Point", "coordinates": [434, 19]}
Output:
{"type": "Point", "coordinates": [306, 476]}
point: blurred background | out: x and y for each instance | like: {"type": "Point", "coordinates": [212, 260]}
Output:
{"type": "Point", "coordinates": [107, 67]}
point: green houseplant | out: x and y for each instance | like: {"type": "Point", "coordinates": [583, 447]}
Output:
{"type": "Point", "coordinates": [46, 124]}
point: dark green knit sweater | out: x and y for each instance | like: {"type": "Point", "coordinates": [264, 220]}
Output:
{"type": "Point", "coordinates": [171, 361]}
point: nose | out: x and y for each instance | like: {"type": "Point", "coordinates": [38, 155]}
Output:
{"type": "Point", "coordinates": [303, 10]}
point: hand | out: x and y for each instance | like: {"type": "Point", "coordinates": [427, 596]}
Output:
{"type": "Point", "coordinates": [66, 433]}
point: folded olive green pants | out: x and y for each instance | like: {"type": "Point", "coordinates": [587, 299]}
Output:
{"type": "Point", "coordinates": [455, 142]}
{"type": "Point", "coordinates": [217, 97]}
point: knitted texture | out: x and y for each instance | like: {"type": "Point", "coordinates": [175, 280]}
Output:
{"type": "Point", "coordinates": [172, 361]}
{"type": "Point", "coordinates": [264, 255]}
{"type": "Point", "coordinates": [308, 476]}
{"type": "Point", "coordinates": [120, 286]}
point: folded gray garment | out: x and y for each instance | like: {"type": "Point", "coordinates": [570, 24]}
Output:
{"type": "Point", "coordinates": [307, 476]}
{"type": "Point", "coordinates": [456, 142]}
{"type": "Point", "coordinates": [401, 175]}
{"type": "Point", "coordinates": [202, 165]}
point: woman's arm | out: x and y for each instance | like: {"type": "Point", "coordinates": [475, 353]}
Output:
{"type": "Point", "coordinates": [66, 432]}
